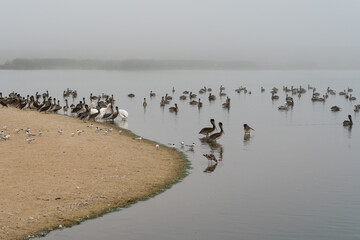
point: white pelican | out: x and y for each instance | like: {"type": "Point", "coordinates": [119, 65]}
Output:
{"type": "Point", "coordinates": [103, 111]}
{"type": "Point", "coordinates": [123, 113]}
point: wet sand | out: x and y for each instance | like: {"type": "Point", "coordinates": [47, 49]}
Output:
{"type": "Point", "coordinates": [59, 179]}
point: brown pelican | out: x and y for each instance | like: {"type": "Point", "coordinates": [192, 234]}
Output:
{"type": "Point", "coordinates": [207, 130]}
{"type": "Point", "coordinates": [348, 122]}
{"type": "Point", "coordinates": [215, 136]}
{"type": "Point", "coordinates": [247, 129]}
{"type": "Point", "coordinates": [174, 109]}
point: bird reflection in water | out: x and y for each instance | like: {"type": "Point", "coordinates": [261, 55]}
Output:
{"type": "Point", "coordinates": [211, 167]}
{"type": "Point", "coordinates": [215, 149]}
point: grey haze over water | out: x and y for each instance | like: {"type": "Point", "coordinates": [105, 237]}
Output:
{"type": "Point", "coordinates": [277, 33]}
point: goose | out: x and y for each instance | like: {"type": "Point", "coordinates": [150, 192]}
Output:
{"type": "Point", "coordinates": [247, 129]}
{"type": "Point", "coordinates": [152, 94]}
{"type": "Point", "coordinates": [174, 109]}
{"type": "Point", "coordinates": [348, 122]}
{"type": "Point", "coordinates": [207, 130]}
{"type": "Point", "coordinates": [262, 89]}
{"type": "Point", "coordinates": [131, 95]}
{"type": "Point", "coordinates": [144, 103]}
{"type": "Point", "coordinates": [217, 135]}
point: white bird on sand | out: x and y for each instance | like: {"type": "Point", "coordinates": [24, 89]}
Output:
{"type": "Point", "coordinates": [138, 138]}
{"type": "Point", "coordinates": [182, 143]}
{"type": "Point", "coordinates": [79, 132]}
{"type": "Point", "coordinates": [29, 140]}
{"type": "Point", "coordinates": [120, 131]}
{"type": "Point", "coordinates": [98, 129]}
{"type": "Point", "coordinates": [6, 137]}
{"type": "Point", "coordinates": [60, 131]}
{"type": "Point", "coordinates": [5, 127]}
{"type": "Point", "coordinates": [30, 134]}
{"type": "Point", "coordinates": [72, 134]}
{"type": "Point", "coordinates": [157, 146]}
{"type": "Point", "coordinates": [106, 131]}
{"type": "Point", "coordinates": [90, 126]}
{"type": "Point", "coordinates": [17, 130]}
{"type": "Point", "coordinates": [40, 133]}
{"type": "Point", "coordinates": [1, 133]}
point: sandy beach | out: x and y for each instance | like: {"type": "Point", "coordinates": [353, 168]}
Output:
{"type": "Point", "coordinates": [60, 179]}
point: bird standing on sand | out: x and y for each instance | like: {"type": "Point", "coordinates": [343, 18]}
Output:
{"type": "Point", "coordinates": [29, 140]}
{"type": "Point", "coordinates": [247, 129]}
{"type": "Point", "coordinates": [60, 131]}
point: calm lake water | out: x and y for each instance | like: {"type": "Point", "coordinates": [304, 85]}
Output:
{"type": "Point", "coordinates": [297, 177]}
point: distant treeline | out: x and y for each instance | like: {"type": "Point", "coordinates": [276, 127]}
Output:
{"type": "Point", "coordinates": [132, 64]}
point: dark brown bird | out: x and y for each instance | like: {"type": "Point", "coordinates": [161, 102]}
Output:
{"type": "Point", "coordinates": [215, 136]}
{"type": "Point", "coordinates": [207, 130]}
{"type": "Point", "coordinates": [247, 129]}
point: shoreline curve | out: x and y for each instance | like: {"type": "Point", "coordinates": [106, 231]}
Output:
{"type": "Point", "coordinates": [59, 180]}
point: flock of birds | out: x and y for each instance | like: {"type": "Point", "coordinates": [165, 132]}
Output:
{"type": "Point", "coordinates": [100, 108]}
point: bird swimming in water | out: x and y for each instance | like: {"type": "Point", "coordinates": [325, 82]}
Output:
{"type": "Point", "coordinates": [247, 129]}
{"type": "Point", "coordinates": [348, 122]}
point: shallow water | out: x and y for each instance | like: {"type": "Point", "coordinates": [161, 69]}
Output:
{"type": "Point", "coordinates": [295, 178]}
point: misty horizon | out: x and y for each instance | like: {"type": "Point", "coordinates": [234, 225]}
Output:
{"type": "Point", "coordinates": [279, 33]}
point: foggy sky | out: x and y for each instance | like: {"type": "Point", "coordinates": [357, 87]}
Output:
{"type": "Point", "coordinates": [259, 30]}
